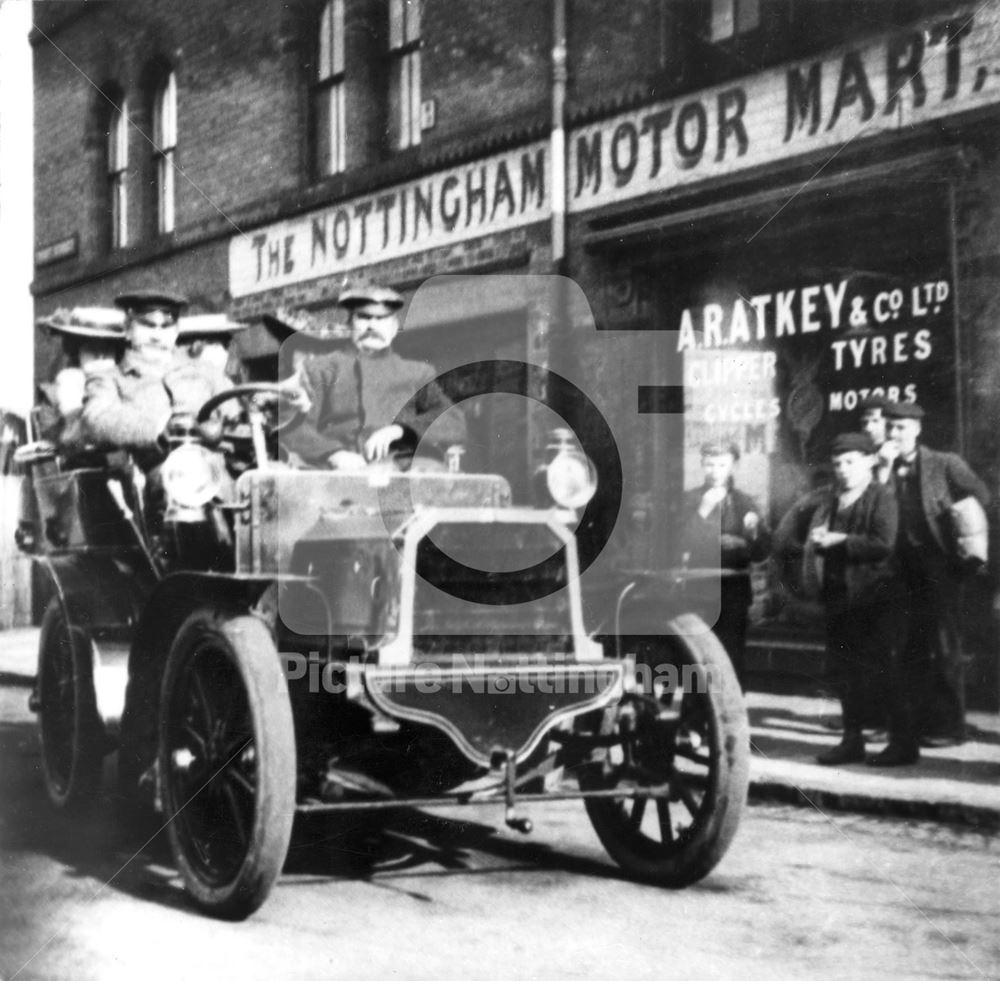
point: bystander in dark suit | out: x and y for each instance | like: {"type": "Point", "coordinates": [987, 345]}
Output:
{"type": "Point", "coordinates": [849, 531]}
{"type": "Point", "coordinates": [722, 529]}
{"type": "Point", "coordinates": [929, 680]}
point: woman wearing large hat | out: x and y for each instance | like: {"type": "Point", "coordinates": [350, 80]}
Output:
{"type": "Point", "coordinates": [93, 339]}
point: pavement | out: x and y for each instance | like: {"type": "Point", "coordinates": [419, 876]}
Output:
{"type": "Point", "coordinates": [958, 784]}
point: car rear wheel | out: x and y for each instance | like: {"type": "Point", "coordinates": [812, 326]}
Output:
{"type": "Point", "coordinates": [72, 736]}
{"type": "Point", "coordinates": [687, 735]}
{"type": "Point", "coordinates": [227, 761]}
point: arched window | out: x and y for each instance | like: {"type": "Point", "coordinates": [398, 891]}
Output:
{"type": "Point", "coordinates": [164, 151]}
{"type": "Point", "coordinates": [117, 167]}
{"type": "Point", "coordinates": [404, 73]}
{"type": "Point", "coordinates": [328, 93]}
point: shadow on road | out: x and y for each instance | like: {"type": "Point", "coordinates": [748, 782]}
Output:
{"type": "Point", "coordinates": [108, 852]}
{"type": "Point", "coordinates": [405, 841]}
{"type": "Point", "coordinates": [95, 845]}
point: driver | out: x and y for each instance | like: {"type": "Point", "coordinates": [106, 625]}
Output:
{"type": "Point", "coordinates": [130, 406]}
{"type": "Point", "coordinates": [365, 404]}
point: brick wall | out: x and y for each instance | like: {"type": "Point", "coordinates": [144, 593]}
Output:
{"type": "Point", "coordinates": [239, 132]}
{"type": "Point", "coordinates": [242, 103]}
{"type": "Point", "coordinates": [487, 64]}
{"type": "Point", "coordinates": [611, 57]}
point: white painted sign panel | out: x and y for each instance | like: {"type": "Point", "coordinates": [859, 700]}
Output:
{"type": "Point", "coordinates": [497, 194]}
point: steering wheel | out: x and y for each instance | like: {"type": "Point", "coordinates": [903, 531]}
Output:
{"type": "Point", "coordinates": [255, 415]}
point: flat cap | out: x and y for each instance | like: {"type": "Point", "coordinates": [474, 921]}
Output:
{"type": "Point", "coordinates": [852, 443]}
{"type": "Point", "coordinates": [356, 296]}
{"type": "Point", "coordinates": [94, 323]}
{"type": "Point", "coordinates": [151, 300]}
{"type": "Point", "coordinates": [904, 410]}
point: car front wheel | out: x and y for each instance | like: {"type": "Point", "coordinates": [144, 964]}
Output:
{"type": "Point", "coordinates": [227, 761]}
{"type": "Point", "coordinates": [686, 740]}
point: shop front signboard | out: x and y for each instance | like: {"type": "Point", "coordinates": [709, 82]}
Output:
{"type": "Point", "coordinates": [780, 366]}
{"type": "Point", "coordinates": [890, 84]}
{"type": "Point", "coordinates": [496, 194]}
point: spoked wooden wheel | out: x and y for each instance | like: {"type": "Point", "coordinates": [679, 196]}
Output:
{"type": "Point", "coordinates": [688, 742]}
{"type": "Point", "coordinates": [72, 736]}
{"type": "Point", "coordinates": [227, 761]}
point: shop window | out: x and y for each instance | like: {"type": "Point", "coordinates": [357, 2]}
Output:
{"type": "Point", "coordinates": [704, 42]}
{"type": "Point", "coordinates": [164, 152]}
{"type": "Point", "coordinates": [328, 123]}
{"type": "Point", "coordinates": [732, 18]}
{"type": "Point", "coordinates": [117, 167]}
{"type": "Point", "coordinates": [404, 73]}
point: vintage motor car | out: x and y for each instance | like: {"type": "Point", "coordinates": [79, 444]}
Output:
{"type": "Point", "coordinates": [291, 641]}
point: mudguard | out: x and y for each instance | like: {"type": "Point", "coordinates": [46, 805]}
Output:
{"type": "Point", "coordinates": [170, 603]}
{"type": "Point", "coordinates": [101, 593]}
{"type": "Point", "coordinates": [102, 597]}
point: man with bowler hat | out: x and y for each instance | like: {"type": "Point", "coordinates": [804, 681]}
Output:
{"type": "Point", "coordinates": [366, 404]}
{"type": "Point", "coordinates": [929, 678]}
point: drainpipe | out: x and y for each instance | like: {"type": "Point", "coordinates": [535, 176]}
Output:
{"type": "Point", "coordinates": [561, 347]}
{"type": "Point", "coordinates": [548, 333]}
{"type": "Point", "coordinates": [557, 141]}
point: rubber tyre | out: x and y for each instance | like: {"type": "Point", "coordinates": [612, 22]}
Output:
{"type": "Point", "coordinates": [718, 717]}
{"type": "Point", "coordinates": [229, 800]}
{"type": "Point", "coordinates": [70, 729]}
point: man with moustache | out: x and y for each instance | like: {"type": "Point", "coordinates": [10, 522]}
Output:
{"type": "Point", "coordinates": [929, 683]}
{"type": "Point", "coordinates": [367, 404]}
